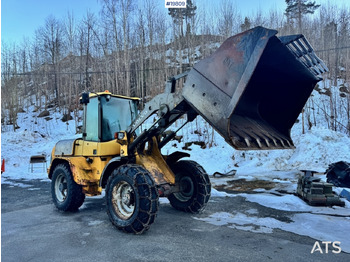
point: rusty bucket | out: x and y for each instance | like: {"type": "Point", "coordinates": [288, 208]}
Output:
{"type": "Point", "coordinates": [254, 86]}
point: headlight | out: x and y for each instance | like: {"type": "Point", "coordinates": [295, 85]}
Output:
{"type": "Point", "coordinates": [120, 135]}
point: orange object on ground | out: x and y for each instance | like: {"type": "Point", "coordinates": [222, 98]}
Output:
{"type": "Point", "coordinates": [3, 166]}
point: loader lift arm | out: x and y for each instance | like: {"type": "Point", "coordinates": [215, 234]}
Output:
{"type": "Point", "coordinates": [251, 90]}
{"type": "Point", "coordinates": [169, 106]}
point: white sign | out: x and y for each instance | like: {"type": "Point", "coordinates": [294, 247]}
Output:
{"type": "Point", "coordinates": [175, 3]}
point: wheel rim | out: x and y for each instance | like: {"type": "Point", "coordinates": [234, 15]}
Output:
{"type": "Point", "coordinates": [186, 189]}
{"type": "Point", "coordinates": [123, 200]}
{"type": "Point", "coordinates": [61, 189]}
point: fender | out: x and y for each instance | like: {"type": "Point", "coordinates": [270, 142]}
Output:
{"type": "Point", "coordinates": [118, 161]}
{"type": "Point", "coordinates": [174, 157]}
{"type": "Point", "coordinates": [107, 171]}
{"type": "Point", "coordinates": [65, 147]}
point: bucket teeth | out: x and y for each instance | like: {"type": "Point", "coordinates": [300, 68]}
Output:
{"type": "Point", "coordinates": [282, 143]}
{"type": "Point", "coordinates": [247, 141]}
{"type": "Point", "coordinates": [259, 142]}
{"type": "Point", "coordinates": [254, 141]}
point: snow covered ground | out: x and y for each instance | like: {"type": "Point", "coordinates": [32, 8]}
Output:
{"type": "Point", "coordinates": [315, 150]}
{"type": "Point", "coordinates": [36, 136]}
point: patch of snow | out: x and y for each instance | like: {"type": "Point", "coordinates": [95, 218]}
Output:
{"type": "Point", "coordinates": [164, 201]}
{"type": "Point", "coordinates": [14, 184]}
{"type": "Point", "coordinates": [216, 193]}
{"type": "Point", "coordinates": [95, 222]}
{"type": "Point", "coordinates": [252, 211]}
{"type": "Point", "coordinates": [320, 227]}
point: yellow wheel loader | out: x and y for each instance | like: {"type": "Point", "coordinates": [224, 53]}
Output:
{"type": "Point", "coordinates": [251, 90]}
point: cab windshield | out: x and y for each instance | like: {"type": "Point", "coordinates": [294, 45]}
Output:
{"type": "Point", "coordinates": [108, 115]}
{"type": "Point", "coordinates": [117, 115]}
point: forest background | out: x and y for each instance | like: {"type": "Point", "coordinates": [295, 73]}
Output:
{"type": "Point", "coordinates": [132, 51]}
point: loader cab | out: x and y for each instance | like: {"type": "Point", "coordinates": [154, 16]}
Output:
{"type": "Point", "coordinates": [106, 114]}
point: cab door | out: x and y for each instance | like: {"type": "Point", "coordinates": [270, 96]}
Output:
{"type": "Point", "coordinates": [98, 146]}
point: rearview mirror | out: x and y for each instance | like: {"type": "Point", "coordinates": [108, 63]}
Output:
{"type": "Point", "coordinates": [85, 99]}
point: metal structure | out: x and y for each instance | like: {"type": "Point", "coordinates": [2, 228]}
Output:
{"type": "Point", "coordinates": [38, 159]}
{"type": "Point", "coordinates": [315, 192]}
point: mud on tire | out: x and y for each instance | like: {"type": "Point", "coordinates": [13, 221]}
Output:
{"type": "Point", "coordinates": [66, 194]}
{"type": "Point", "coordinates": [194, 185]}
{"type": "Point", "coordinates": [131, 199]}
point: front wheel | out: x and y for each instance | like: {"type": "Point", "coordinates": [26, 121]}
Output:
{"type": "Point", "coordinates": [194, 186]}
{"type": "Point", "coordinates": [67, 195]}
{"type": "Point", "coordinates": [131, 199]}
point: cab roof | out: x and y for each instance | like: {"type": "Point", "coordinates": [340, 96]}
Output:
{"type": "Point", "coordinates": [106, 92]}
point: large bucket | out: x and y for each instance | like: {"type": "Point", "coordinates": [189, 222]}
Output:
{"type": "Point", "coordinates": [252, 89]}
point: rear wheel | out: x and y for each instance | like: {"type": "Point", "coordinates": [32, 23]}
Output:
{"type": "Point", "coordinates": [131, 199]}
{"type": "Point", "coordinates": [194, 186]}
{"type": "Point", "coordinates": [66, 194]}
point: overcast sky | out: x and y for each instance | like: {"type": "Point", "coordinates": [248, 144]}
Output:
{"type": "Point", "coordinates": [20, 18]}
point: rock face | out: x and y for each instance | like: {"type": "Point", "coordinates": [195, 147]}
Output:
{"type": "Point", "coordinates": [44, 113]}
{"type": "Point", "coordinates": [66, 117]}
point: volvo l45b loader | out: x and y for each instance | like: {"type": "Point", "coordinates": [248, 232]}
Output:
{"type": "Point", "coordinates": [251, 90]}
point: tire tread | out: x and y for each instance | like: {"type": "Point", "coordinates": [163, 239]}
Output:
{"type": "Point", "coordinates": [148, 198]}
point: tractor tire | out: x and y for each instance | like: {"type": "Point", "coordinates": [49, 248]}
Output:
{"type": "Point", "coordinates": [131, 199]}
{"type": "Point", "coordinates": [194, 185]}
{"type": "Point", "coordinates": [67, 195]}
